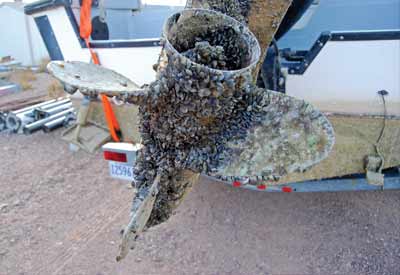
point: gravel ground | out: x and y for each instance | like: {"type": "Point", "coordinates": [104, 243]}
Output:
{"type": "Point", "coordinates": [60, 213]}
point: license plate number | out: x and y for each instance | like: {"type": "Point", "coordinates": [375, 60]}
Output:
{"type": "Point", "coordinates": [121, 171]}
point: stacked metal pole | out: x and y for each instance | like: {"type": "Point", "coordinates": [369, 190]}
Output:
{"type": "Point", "coordinates": [46, 115]}
{"type": "Point", "coordinates": [31, 127]}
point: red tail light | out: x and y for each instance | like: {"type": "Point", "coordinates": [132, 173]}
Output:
{"type": "Point", "coordinates": [114, 156]}
{"type": "Point", "coordinates": [261, 187]}
{"type": "Point", "coordinates": [287, 189]}
{"type": "Point", "coordinates": [236, 184]}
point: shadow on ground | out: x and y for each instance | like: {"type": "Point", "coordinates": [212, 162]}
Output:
{"type": "Point", "coordinates": [63, 216]}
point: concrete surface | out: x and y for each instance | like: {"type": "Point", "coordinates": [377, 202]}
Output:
{"type": "Point", "coordinates": [61, 214]}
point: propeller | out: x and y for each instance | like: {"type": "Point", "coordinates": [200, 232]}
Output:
{"type": "Point", "coordinates": [203, 113]}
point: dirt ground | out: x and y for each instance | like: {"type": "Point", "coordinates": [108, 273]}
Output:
{"type": "Point", "coordinates": [61, 214]}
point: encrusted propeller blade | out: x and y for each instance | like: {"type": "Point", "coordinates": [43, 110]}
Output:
{"type": "Point", "coordinates": [92, 79]}
{"type": "Point", "coordinates": [203, 113]}
{"type": "Point", "coordinates": [287, 135]}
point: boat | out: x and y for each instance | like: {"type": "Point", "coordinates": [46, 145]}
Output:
{"type": "Point", "coordinates": [347, 70]}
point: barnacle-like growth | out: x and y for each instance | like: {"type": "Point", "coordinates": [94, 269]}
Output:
{"type": "Point", "coordinates": [204, 114]}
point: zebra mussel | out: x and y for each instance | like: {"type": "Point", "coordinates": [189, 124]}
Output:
{"type": "Point", "coordinates": [199, 100]}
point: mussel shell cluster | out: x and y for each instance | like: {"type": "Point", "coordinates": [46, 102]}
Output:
{"type": "Point", "coordinates": [193, 109]}
{"type": "Point", "coordinates": [237, 9]}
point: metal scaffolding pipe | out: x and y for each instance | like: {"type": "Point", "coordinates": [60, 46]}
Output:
{"type": "Point", "coordinates": [2, 121]}
{"type": "Point", "coordinates": [30, 111]}
{"type": "Point", "coordinates": [38, 124]}
{"type": "Point", "coordinates": [51, 125]}
{"type": "Point", "coordinates": [55, 104]}
{"type": "Point", "coordinates": [33, 106]}
{"type": "Point", "coordinates": [58, 109]}
{"type": "Point", "coordinates": [42, 113]}
{"type": "Point", "coordinates": [15, 121]}
{"type": "Point", "coordinates": [70, 118]}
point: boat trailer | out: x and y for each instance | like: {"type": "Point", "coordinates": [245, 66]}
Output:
{"type": "Point", "coordinates": [204, 115]}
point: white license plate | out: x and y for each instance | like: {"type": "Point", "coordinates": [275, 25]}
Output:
{"type": "Point", "coordinates": [121, 171]}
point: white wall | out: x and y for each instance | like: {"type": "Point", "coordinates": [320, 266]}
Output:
{"type": "Point", "coordinates": [346, 76]}
{"type": "Point", "coordinates": [134, 63]}
{"type": "Point", "coordinates": [14, 37]}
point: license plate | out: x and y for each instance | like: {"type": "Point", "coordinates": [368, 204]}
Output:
{"type": "Point", "coordinates": [121, 171]}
